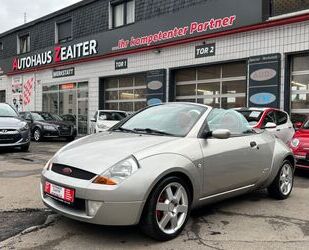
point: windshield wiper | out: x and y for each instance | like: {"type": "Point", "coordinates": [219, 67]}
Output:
{"type": "Point", "coordinates": [152, 131]}
{"type": "Point", "coordinates": [124, 130]}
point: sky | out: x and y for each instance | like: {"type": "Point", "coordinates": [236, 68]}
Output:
{"type": "Point", "coordinates": [12, 11]}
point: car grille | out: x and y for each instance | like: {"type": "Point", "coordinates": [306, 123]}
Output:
{"type": "Point", "coordinates": [72, 172]}
{"type": "Point", "coordinates": [64, 130]}
{"type": "Point", "coordinates": [9, 136]}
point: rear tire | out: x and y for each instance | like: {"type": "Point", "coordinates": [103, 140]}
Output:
{"type": "Point", "coordinates": [282, 185]}
{"type": "Point", "coordinates": [167, 209]}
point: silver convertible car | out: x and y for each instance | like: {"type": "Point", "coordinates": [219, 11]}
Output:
{"type": "Point", "coordinates": [156, 166]}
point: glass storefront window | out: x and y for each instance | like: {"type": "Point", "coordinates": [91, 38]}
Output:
{"type": "Point", "coordinates": [233, 102]}
{"type": "Point", "coordinates": [50, 102]}
{"type": "Point", "coordinates": [51, 88]}
{"type": "Point", "coordinates": [209, 72]}
{"type": "Point", "coordinates": [128, 93]}
{"type": "Point", "coordinates": [299, 86]}
{"type": "Point", "coordinates": [69, 100]}
{"type": "Point", "coordinates": [300, 101]}
{"type": "Point", "coordinates": [222, 86]}
{"type": "Point", "coordinates": [300, 82]}
{"type": "Point", "coordinates": [208, 88]}
{"type": "Point", "coordinates": [125, 82]}
{"type": "Point", "coordinates": [233, 69]}
{"type": "Point", "coordinates": [111, 83]}
{"type": "Point", "coordinates": [186, 90]}
{"type": "Point", "coordinates": [213, 102]}
{"type": "Point", "coordinates": [186, 75]}
{"type": "Point", "coordinates": [234, 87]}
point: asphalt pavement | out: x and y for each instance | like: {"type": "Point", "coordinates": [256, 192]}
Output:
{"type": "Point", "coordinates": [252, 221]}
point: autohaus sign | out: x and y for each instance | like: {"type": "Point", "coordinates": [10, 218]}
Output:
{"type": "Point", "coordinates": [59, 54]}
{"type": "Point", "coordinates": [198, 21]}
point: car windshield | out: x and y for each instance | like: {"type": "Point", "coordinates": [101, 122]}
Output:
{"type": "Point", "coordinates": [252, 116]}
{"type": "Point", "coordinates": [7, 111]}
{"type": "Point", "coordinates": [56, 117]}
{"type": "Point", "coordinates": [37, 117]}
{"type": "Point", "coordinates": [169, 119]}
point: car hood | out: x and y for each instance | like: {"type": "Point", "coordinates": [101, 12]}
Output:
{"type": "Point", "coordinates": [96, 153]}
{"type": "Point", "coordinates": [58, 123]}
{"type": "Point", "coordinates": [11, 122]}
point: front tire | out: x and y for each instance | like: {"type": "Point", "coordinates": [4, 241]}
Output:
{"type": "Point", "coordinates": [282, 185]}
{"type": "Point", "coordinates": [37, 135]}
{"type": "Point", "coordinates": [167, 209]}
{"type": "Point", "coordinates": [70, 138]}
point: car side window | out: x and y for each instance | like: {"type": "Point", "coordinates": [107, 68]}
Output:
{"type": "Point", "coordinates": [229, 119]}
{"type": "Point", "coordinates": [106, 116]}
{"type": "Point", "coordinates": [270, 117]}
{"type": "Point", "coordinates": [282, 118]}
{"type": "Point", "coordinates": [116, 116]}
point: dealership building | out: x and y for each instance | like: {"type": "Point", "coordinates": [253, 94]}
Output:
{"type": "Point", "coordinates": [127, 54]}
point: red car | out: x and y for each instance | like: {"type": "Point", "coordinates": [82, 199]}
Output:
{"type": "Point", "coordinates": [273, 120]}
{"type": "Point", "coordinates": [300, 146]}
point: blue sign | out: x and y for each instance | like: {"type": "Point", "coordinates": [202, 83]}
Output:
{"type": "Point", "coordinates": [263, 98]}
{"type": "Point", "coordinates": [154, 101]}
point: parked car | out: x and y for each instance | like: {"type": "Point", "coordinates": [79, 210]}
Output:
{"type": "Point", "coordinates": [105, 119]}
{"type": "Point", "coordinates": [69, 118]}
{"type": "Point", "coordinates": [154, 167]}
{"type": "Point", "coordinates": [47, 125]}
{"type": "Point", "coordinates": [14, 131]}
{"type": "Point", "coordinates": [273, 120]}
{"type": "Point", "coordinates": [298, 120]}
{"type": "Point", "coordinates": [300, 145]}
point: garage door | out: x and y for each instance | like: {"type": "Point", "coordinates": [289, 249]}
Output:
{"type": "Point", "coordinates": [221, 86]}
{"type": "Point", "coordinates": [125, 93]}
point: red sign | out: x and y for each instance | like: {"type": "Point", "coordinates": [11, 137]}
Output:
{"type": "Point", "coordinates": [67, 86]}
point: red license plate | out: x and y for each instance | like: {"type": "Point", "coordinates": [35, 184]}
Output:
{"type": "Point", "coordinates": [62, 193]}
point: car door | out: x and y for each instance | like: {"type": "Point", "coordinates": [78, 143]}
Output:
{"type": "Point", "coordinates": [237, 162]}
{"type": "Point", "coordinates": [284, 129]}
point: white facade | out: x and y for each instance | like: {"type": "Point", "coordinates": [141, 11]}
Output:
{"type": "Point", "coordinates": [283, 39]}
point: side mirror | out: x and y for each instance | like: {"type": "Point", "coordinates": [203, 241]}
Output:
{"type": "Point", "coordinates": [270, 125]}
{"type": "Point", "coordinates": [93, 120]}
{"type": "Point", "coordinates": [297, 125]}
{"type": "Point", "coordinates": [29, 120]}
{"type": "Point", "coordinates": [221, 134]}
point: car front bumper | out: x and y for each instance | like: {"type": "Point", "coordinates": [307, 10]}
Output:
{"type": "Point", "coordinates": [19, 138]}
{"type": "Point", "coordinates": [93, 207]}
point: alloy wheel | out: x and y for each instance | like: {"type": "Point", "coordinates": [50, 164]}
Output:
{"type": "Point", "coordinates": [286, 179]}
{"type": "Point", "coordinates": [37, 135]}
{"type": "Point", "coordinates": [172, 208]}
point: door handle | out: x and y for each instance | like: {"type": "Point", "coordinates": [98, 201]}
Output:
{"type": "Point", "coordinates": [253, 144]}
{"type": "Point", "coordinates": [278, 129]}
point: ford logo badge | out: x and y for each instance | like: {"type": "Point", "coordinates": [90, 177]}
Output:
{"type": "Point", "coordinates": [67, 171]}
{"type": "Point", "coordinates": [263, 98]}
{"type": "Point", "coordinates": [263, 75]}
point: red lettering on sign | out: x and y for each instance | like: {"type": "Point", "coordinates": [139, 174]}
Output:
{"type": "Point", "coordinates": [57, 54]}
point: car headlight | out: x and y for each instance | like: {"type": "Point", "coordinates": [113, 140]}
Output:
{"type": "Point", "coordinates": [102, 126]}
{"type": "Point", "coordinates": [49, 127]}
{"type": "Point", "coordinates": [118, 173]}
{"type": "Point", "coordinates": [24, 126]}
{"type": "Point", "coordinates": [295, 142]}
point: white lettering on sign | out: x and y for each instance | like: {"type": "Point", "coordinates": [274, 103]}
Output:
{"type": "Point", "coordinates": [59, 54]}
